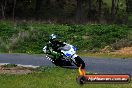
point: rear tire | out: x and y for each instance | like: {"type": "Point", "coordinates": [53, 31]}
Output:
{"type": "Point", "coordinates": [79, 62]}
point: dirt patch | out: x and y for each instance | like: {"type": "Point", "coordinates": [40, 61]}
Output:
{"type": "Point", "coordinates": [106, 49]}
{"type": "Point", "coordinates": [124, 51]}
{"type": "Point", "coordinates": [15, 70]}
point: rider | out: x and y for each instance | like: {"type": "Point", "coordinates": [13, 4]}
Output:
{"type": "Point", "coordinates": [54, 43]}
{"type": "Point", "coordinates": [53, 47]}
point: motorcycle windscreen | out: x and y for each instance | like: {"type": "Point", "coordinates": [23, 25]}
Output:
{"type": "Point", "coordinates": [66, 48]}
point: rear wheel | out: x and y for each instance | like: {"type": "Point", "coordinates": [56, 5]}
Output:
{"type": "Point", "coordinates": [79, 62]}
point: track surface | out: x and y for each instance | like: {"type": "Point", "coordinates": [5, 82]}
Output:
{"type": "Point", "coordinates": [98, 65]}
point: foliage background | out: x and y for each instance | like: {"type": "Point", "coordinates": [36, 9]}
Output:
{"type": "Point", "coordinates": [31, 37]}
{"type": "Point", "coordinates": [68, 11]}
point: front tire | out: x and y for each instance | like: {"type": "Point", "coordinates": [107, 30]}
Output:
{"type": "Point", "coordinates": [81, 80]}
{"type": "Point", "coordinates": [79, 62]}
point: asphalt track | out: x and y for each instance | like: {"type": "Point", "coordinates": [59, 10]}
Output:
{"type": "Point", "coordinates": [97, 65]}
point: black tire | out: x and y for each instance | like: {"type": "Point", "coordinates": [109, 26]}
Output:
{"type": "Point", "coordinates": [79, 62]}
{"type": "Point", "coordinates": [81, 80]}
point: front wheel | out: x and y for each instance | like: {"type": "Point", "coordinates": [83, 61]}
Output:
{"type": "Point", "coordinates": [79, 62]}
{"type": "Point", "coordinates": [81, 80]}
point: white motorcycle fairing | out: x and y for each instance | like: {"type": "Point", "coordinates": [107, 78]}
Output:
{"type": "Point", "coordinates": [69, 51]}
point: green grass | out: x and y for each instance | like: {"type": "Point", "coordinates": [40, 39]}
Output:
{"type": "Point", "coordinates": [51, 77]}
{"type": "Point", "coordinates": [9, 65]}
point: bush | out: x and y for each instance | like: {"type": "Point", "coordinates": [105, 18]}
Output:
{"type": "Point", "coordinates": [32, 37]}
{"type": "Point", "coordinates": [121, 43]}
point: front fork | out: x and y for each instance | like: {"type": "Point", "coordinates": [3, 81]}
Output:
{"type": "Point", "coordinates": [73, 57]}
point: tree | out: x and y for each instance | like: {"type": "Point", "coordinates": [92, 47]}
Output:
{"type": "Point", "coordinates": [38, 7]}
{"type": "Point", "coordinates": [129, 6]}
{"type": "Point", "coordinates": [14, 6]}
{"type": "Point", "coordinates": [89, 8]}
{"type": "Point", "coordinates": [79, 12]}
{"type": "Point", "coordinates": [100, 2]}
{"type": "Point", "coordinates": [3, 8]}
{"type": "Point", "coordinates": [113, 8]}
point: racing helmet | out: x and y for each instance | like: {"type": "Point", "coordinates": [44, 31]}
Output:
{"type": "Point", "coordinates": [52, 36]}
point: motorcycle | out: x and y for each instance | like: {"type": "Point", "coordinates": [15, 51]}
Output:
{"type": "Point", "coordinates": [68, 57]}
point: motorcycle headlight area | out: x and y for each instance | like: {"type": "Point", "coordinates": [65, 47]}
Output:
{"type": "Point", "coordinates": [74, 48]}
{"type": "Point", "coordinates": [68, 55]}
{"type": "Point", "coordinates": [66, 48]}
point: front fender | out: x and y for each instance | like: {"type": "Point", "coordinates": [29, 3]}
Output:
{"type": "Point", "coordinates": [74, 56]}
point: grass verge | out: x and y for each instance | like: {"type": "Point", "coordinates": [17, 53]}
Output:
{"type": "Point", "coordinates": [50, 77]}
